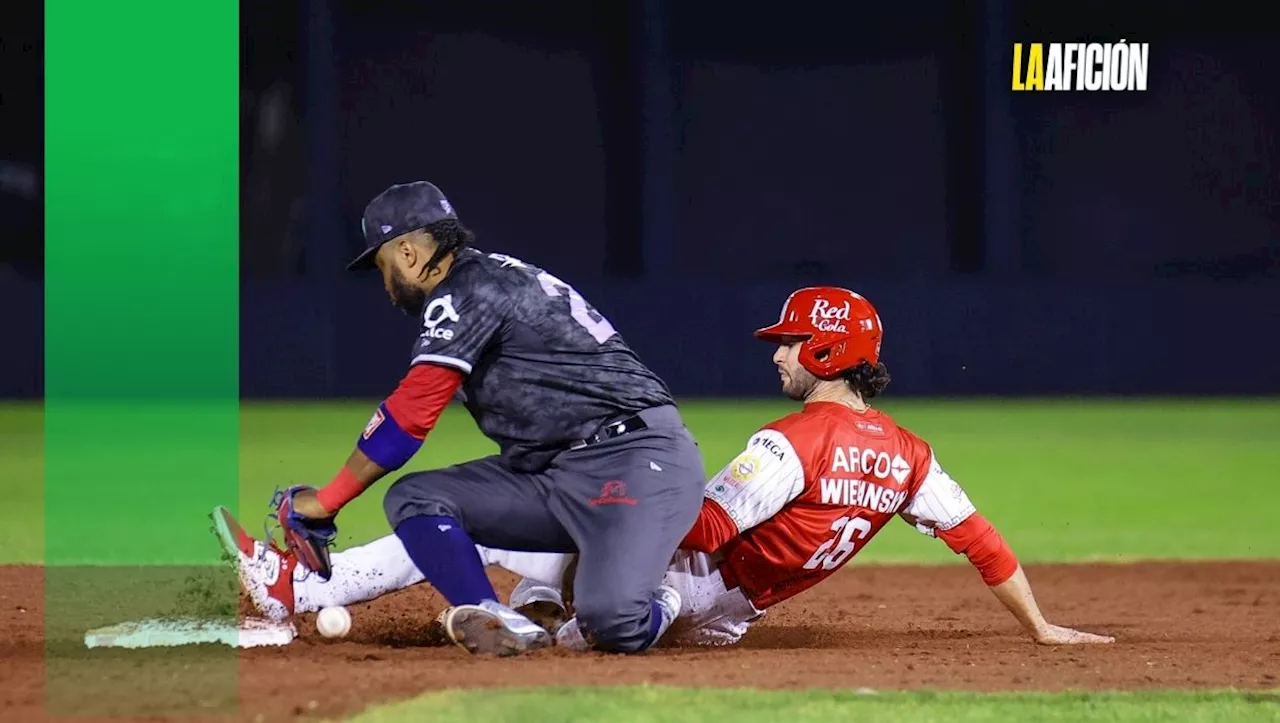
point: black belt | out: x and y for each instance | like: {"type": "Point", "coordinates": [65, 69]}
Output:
{"type": "Point", "coordinates": [613, 430]}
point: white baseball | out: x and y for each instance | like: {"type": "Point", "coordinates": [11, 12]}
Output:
{"type": "Point", "coordinates": [334, 622]}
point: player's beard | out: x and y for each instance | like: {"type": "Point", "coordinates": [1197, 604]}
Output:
{"type": "Point", "coordinates": [407, 297]}
{"type": "Point", "coordinates": [798, 384]}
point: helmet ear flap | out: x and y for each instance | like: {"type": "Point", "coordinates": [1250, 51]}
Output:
{"type": "Point", "coordinates": [820, 359]}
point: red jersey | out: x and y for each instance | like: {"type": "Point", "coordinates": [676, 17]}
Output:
{"type": "Point", "coordinates": [813, 488]}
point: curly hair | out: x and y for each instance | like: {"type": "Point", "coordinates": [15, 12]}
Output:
{"type": "Point", "coordinates": [867, 380]}
{"type": "Point", "coordinates": [450, 237]}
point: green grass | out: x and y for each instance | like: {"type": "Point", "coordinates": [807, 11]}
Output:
{"type": "Point", "coordinates": [21, 483]}
{"type": "Point", "coordinates": [1067, 480]}
{"type": "Point", "coordinates": [1063, 480]}
{"type": "Point", "coordinates": [684, 705]}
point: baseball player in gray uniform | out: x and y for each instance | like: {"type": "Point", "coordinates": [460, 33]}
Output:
{"type": "Point", "coordinates": [594, 457]}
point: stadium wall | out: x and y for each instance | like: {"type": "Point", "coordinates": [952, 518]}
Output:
{"type": "Point", "coordinates": [954, 338]}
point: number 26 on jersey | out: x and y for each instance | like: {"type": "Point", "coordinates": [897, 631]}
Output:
{"type": "Point", "coordinates": [845, 529]}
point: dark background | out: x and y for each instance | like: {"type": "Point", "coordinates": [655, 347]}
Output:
{"type": "Point", "coordinates": [687, 164]}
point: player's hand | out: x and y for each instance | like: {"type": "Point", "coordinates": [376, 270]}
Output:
{"type": "Point", "coordinates": [1058, 635]}
{"type": "Point", "coordinates": [306, 503]}
{"type": "Point", "coordinates": [309, 529]}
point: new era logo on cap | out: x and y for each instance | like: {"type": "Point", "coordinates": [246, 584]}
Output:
{"type": "Point", "coordinates": [398, 210]}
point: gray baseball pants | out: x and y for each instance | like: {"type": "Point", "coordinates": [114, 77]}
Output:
{"type": "Point", "coordinates": [622, 504]}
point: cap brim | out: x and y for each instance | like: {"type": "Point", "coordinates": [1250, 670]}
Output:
{"type": "Point", "coordinates": [364, 260]}
{"type": "Point", "coordinates": [779, 332]}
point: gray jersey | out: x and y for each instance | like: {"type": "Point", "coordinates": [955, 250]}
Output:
{"type": "Point", "coordinates": [543, 367]}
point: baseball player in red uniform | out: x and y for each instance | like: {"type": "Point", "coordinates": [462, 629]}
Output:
{"type": "Point", "coordinates": [808, 492]}
{"type": "Point", "coordinates": [813, 488]}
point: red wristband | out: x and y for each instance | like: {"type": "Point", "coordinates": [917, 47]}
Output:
{"type": "Point", "coordinates": [344, 488]}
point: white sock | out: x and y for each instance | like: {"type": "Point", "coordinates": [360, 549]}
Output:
{"type": "Point", "coordinates": [548, 568]}
{"type": "Point", "coordinates": [383, 566]}
{"type": "Point", "coordinates": [359, 574]}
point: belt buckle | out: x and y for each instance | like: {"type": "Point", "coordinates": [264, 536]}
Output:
{"type": "Point", "coordinates": [630, 424]}
{"type": "Point", "coordinates": [609, 431]}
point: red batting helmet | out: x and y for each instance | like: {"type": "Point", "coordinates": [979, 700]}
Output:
{"type": "Point", "coordinates": [832, 320]}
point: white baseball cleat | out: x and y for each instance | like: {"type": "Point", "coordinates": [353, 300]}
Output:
{"type": "Point", "coordinates": [266, 573]}
{"type": "Point", "coordinates": [492, 628]}
{"type": "Point", "coordinates": [539, 602]}
{"type": "Point", "coordinates": [569, 635]}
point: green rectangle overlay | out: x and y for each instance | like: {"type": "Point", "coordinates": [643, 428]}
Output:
{"type": "Point", "coordinates": [141, 347]}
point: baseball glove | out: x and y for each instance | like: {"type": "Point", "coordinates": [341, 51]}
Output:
{"type": "Point", "coordinates": [309, 539]}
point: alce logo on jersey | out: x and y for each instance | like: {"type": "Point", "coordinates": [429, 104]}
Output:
{"type": "Point", "coordinates": [437, 312]}
{"type": "Point", "coordinates": [1118, 66]}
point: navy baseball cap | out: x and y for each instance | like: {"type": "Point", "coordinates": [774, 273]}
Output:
{"type": "Point", "coordinates": [398, 210]}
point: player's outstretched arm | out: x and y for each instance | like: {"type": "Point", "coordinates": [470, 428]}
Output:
{"type": "Point", "coordinates": [940, 508]}
{"type": "Point", "coordinates": [393, 435]}
{"type": "Point", "coordinates": [1015, 594]}
{"type": "Point", "coordinates": [982, 544]}
{"type": "Point", "coordinates": [358, 474]}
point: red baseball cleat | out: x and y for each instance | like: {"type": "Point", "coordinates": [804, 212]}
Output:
{"type": "Point", "coordinates": [266, 572]}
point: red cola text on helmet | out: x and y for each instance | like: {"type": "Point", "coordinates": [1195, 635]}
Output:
{"type": "Point", "coordinates": [826, 317]}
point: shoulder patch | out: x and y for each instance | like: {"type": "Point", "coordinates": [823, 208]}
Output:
{"type": "Point", "coordinates": [374, 422]}
{"type": "Point", "coordinates": [745, 468]}
{"type": "Point", "coordinates": [762, 441]}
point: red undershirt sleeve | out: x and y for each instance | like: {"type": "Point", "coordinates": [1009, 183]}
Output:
{"type": "Point", "coordinates": [393, 436]}
{"type": "Point", "coordinates": [712, 529]}
{"type": "Point", "coordinates": [987, 551]}
{"type": "Point", "coordinates": [422, 396]}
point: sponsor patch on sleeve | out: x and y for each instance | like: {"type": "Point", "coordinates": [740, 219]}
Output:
{"type": "Point", "coordinates": [744, 468]}
{"type": "Point", "coordinates": [374, 422]}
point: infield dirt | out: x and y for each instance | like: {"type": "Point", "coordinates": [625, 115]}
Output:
{"type": "Point", "coordinates": [1178, 625]}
